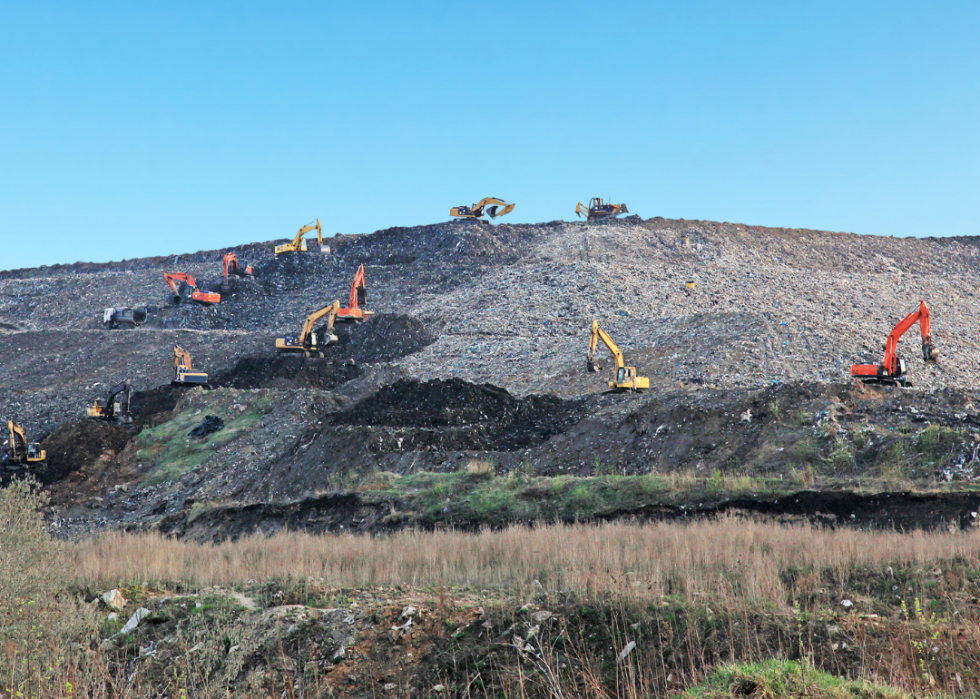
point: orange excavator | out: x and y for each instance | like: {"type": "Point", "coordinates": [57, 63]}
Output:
{"type": "Point", "coordinates": [185, 289]}
{"type": "Point", "coordinates": [232, 266]}
{"type": "Point", "coordinates": [358, 297]}
{"type": "Point", "coordinates": [892, 368]}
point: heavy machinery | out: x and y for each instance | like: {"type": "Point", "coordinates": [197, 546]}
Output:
{"type": "Point", "coordinates": [625, 378]}
{"type": "Point", "coordinates": [299, 242]}
{"type": "Point", "coordinates": [114, 318]}
{"type": "Point", "coordinates": [232, 266]}
{"type": "Point", "coordinates": [892, 368]}
{"type": "Point", "coordinates": [184, 374]}
{"type": "Point", "coordinates": [185, 289]}
{"type": "Point", "coordinates": [115, 407]}
{"type": "Point", "coordinates": [19, 451]}
{"type": "Point", "coordinates": [490, 206]}
{"type": "Point", "coordinates": [599, 209]}
{"type": "Point", "coordinates": [310, 342]}
{"type": "Point", "coordinates": [358, 297]}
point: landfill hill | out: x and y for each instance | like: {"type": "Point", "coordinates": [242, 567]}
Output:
{"type": "Point", "coordinates": [477, 356]}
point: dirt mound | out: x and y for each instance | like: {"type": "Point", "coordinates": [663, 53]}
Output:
{"type": "Point", "coordinates": [150, 408]}
{"type": "Point", "coordinates": [492, 419]}
{"type": "Point", "coordinates": [287, 371]}
{"type": "Point", "coordinates": [383, 338]}
{"type": "Point", "coordinates": [75, 445]}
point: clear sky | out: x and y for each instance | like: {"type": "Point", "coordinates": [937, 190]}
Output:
{"type": "Point", "coordinates": [130, 129]}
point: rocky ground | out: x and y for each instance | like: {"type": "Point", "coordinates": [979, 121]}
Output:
{"type": "Point", "coordinates": [477, 354]}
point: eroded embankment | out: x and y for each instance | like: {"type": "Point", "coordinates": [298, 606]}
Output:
{"type": "Point", "coordinates": [368, 513]}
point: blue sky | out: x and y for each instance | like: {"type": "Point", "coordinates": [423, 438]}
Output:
{"type": "Point", "coordinates": [133, 129]}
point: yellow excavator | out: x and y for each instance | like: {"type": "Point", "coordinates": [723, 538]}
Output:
{"type": "Point", "coordinates": [599, 209]}
{"type": "Point", "coordinates": [20, 452]}
{"type": "Point", "coordinates": [115, 407]}
{"type": "Point", "coordinates": [490, 206]}
{"type": "Point", "coordinates": [184, 374]}
{"type": "Point", "coordinates": [299, 242]}
{"type": "Point", "coordinates": [626, 378]}
{"type": "Point", "coordinates": [308, 341]}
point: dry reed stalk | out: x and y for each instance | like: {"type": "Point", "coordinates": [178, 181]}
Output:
{"type": "Point", "coordinates": [727, 559]}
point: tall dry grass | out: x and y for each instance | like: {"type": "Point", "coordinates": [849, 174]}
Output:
{"type": "Point", "coordinates": [728, 559]}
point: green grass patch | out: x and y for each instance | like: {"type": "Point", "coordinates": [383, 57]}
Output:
{"type": "Point", "coordinates": [167, 451]}
{"type": "Point", "coordinates": [782, 679]}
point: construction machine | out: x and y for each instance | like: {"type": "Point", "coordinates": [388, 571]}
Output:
{"type": "Point", "coordinates": [184, 374]}
{"type": "Point", "coordinates": [599, 209]}
{"type": "Point", "coordinates": [232, 266]}
{"type": "Point", "coordinates": [115, 407]}
{"type": "Point", "coordinates": [310, 342]}
{"type": "Point", "coordinates": [892, 368]}
{"type": "Point", "coordinates": [358, 297]}
{"type": "Point", "coordinates": [490, 206]}
{"type": "Point", "coordinates": [114, 318]}
{"type": "Point", "coordinates": [19, 451]}
{"type": "Point", "coordinates": [185, 289]}
{"type": "Point", "coordinates": [299, 242]}
{"type": "Point", "coordinates": [625, 378]}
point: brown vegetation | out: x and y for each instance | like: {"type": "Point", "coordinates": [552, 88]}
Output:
{"type": "Point", "coordinates": [731, 559]}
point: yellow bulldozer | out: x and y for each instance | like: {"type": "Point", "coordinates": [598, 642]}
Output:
{"type": "Point", "coordinates": [598, 209]}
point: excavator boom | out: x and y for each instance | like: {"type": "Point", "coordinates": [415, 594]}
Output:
{"type": "Point", "coordinates": [490, 206]}
{"type": "Point", "coordinates": [625, 378]}
{"type": "Point", "coordinates": [308, 341]}
{"type": "Point", "coordinates": [892, 368]}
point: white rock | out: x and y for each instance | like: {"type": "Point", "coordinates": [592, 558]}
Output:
{"type": "Point", "coordinates": [114, 599]}
{"type": "Point", "coordinates": [847, 604]}
{"type": "Point", "coordinates": [134, 621]}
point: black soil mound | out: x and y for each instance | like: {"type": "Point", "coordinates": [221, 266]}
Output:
{"type": "Point", "coordinates": [382, 338]}
{"type": "Point", "coordinates": [153, 407]}
{"type": "Point", "coordinates": [287, 371]}
{"type": "Point", "coordinates": [466, 415]}
{"type": "Point", "coordinates": [75, 445]}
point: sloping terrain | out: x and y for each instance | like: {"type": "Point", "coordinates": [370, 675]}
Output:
{"type": "Point", "coordinates": [477, 354]}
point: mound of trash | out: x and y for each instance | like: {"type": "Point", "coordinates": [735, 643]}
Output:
{"type": "Point", "coordinates": [78, 444]}
{"type": "Point", "coordinates": [287, 371]}
{"type": "Point", "coordinates": [382, 339]}
{"type": "Point", "coordinates": [492, 418]}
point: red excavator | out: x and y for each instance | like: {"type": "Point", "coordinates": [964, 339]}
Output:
{"type": "Point", "coordinates": [358, 296]}
{"type": "Point", "coordinates": [185, 289]}
{"type": "Point", "coordinates": [233, 267]}
{"type": "Point", "coordinates": [892, 368]}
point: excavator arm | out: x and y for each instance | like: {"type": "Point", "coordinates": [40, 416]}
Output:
{"type": "Point", "coordinates": [892, 367]}
{"type": "Point", "coordinates": [491, 206]}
